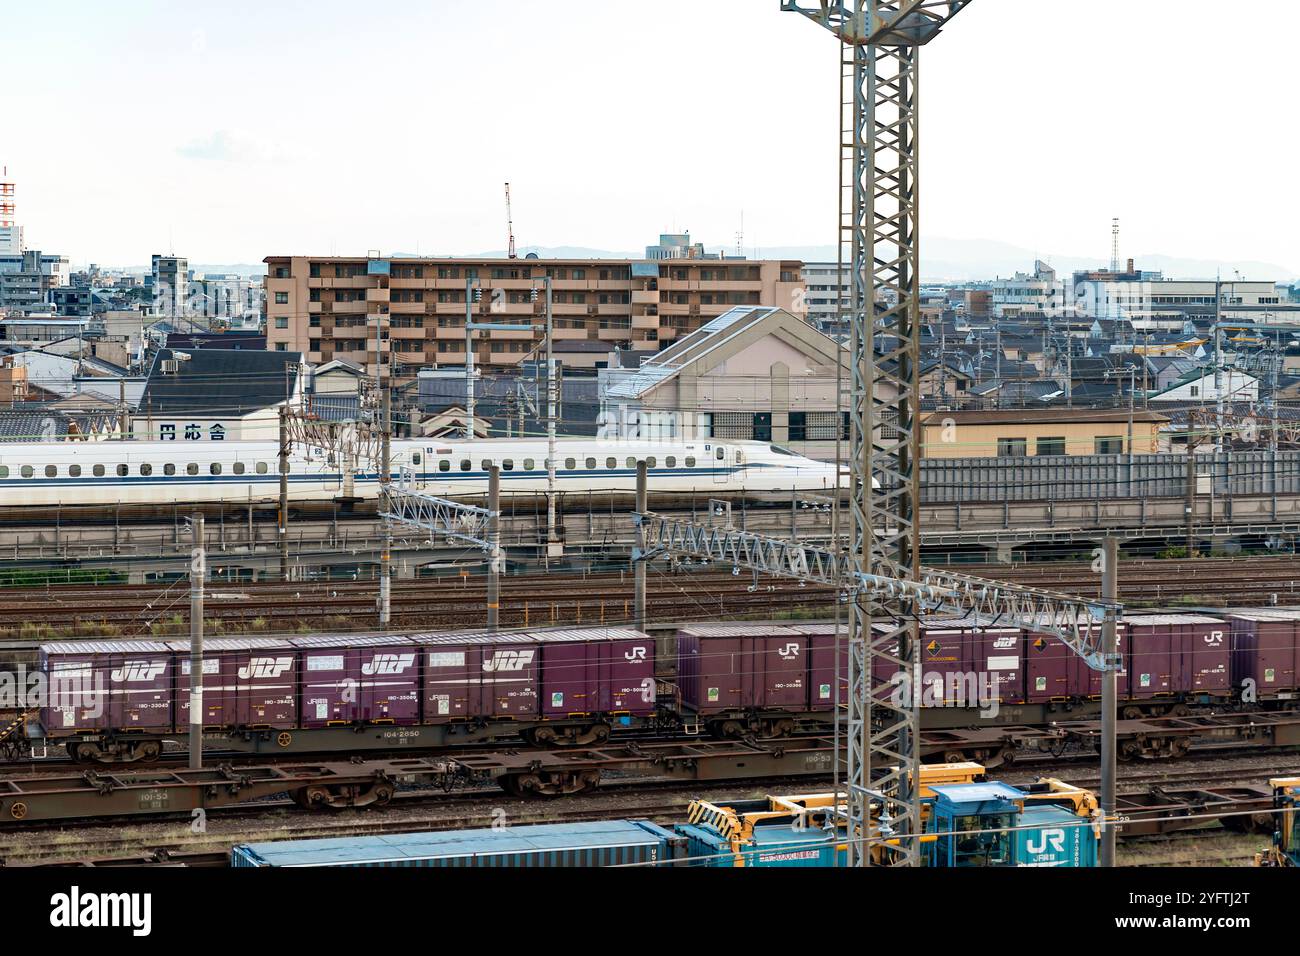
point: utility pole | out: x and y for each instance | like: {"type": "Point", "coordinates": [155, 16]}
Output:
{"type": "Point", "coordinates": [282, 522]}
{"type": "Point", "coordinates": [123, 422]}
{"type": "Point", "coordinates": [198, 573]}
{"type": "Point", "coordinates": [494, 548]}
{"type": "Point", "coordinates": [385, 479]}
{"type": "Point", "coordinates": [638, 566]}
{"type": "Point", "coordinates": [1109, 700]}
{"type": "Point", "coordinates": [553, 546]}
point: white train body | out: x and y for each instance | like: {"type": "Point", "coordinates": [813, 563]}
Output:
{"type": "Point", "coordinates": [44, 475]}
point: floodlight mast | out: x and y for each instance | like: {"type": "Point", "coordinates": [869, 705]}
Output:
{"type": "Point", "coordinates": [879, 224]}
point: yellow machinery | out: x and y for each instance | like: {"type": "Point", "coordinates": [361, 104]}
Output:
{"type": "Point", "coordinates": [1285, 850]}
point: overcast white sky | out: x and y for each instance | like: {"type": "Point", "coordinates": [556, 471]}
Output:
{"type": "Point", "coordinates": [233, 130]}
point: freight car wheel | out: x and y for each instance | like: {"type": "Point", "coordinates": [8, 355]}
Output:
{"type": "Point", "coordinates": [1180, 710]}
{"type": "Point", "coordinates": [954, 756]}
{"type": "Point", "coordinates": [149, 752]}
{"type": "Point", "coordinates": [1133, 713]}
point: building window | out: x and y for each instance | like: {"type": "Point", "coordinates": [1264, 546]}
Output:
{"type": "Point", "coordinates": [1050, 446]}
{"type": "Point", "coordinates": [1012, 447]}
{"type": "Point", "coordinates": [281, 347]}
{"type": "Point", "coordinates": [763, 426]}
{"type": "Point", "coordinates": [798, 426]}
{"type": "Point", "coordinates": [1109, 445]}
{"type": "Point", "coordinates": [282, 298]}
{"type": "Point", "coordinates": [282, 322]}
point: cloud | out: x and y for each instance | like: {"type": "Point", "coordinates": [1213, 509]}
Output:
{"type": "Point", "coordinates": [233, 146]}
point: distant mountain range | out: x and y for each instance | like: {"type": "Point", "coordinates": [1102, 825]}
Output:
{"type": "Point", "coordinates": [950, 260]}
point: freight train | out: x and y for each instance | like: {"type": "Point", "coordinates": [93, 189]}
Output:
{"type": "Point", "coordinates": [162, 474]}
{"type": "Point", "coordinates": [123, 700]}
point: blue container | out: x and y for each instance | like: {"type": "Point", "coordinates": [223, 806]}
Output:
{"type": "Point", "coordinates": [774, 845]}
{"type": "Point", "coordinates": [1057, 838]}
{"type": "Point", "coordinates": [597, 843]}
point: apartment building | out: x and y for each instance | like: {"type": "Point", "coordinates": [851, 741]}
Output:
{"type": "Point", "coordinates": [334, 307]}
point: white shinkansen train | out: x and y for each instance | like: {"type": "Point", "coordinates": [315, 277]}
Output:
{"type": "Point", "coordinates": [42, 475]}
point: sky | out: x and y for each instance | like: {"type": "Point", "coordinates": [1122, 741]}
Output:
{"type": "Point", "coordinates": [229, 131]}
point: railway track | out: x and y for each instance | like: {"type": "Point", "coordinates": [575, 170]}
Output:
{"type": "Point", "coordinates": [591, 598]}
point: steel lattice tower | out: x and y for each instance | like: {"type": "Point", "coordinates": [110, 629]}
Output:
{"type": "Point", "coordinates": [879, 220]}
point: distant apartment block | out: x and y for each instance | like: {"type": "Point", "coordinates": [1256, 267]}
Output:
{"type": "Point", "coordinates": [828, 294]}
{"type": "Point", "coordinates": [1138, 295]}
{"type": "Point", "coordinates": [26, 280]}
{"type": "Point", "coordinates": [333, 307]}
{"type": "Point", "coordinates": [171, 285]}
{"type": "Point", "coordinates": [1035, 293]}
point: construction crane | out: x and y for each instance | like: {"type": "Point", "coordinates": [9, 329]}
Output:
{"type": "Point", "coordinates": [510, 224]}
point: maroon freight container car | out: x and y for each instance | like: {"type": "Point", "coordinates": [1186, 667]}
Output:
{"type": "Point", "coordinates": [247, 682]}
{"type": "Point", "coordinates": [728, 667]}
{"type": "Point", "coordinates": [370, 679]}
{"type": "Point", "coordinates": [1050, 669]}
{"type": "Point", "coordinates": [475, 674]}
{"type": "Point", "coordinates": [821, 664]}
{"type": "Point", "coordinates": [1264, 650]}
{"type": "Point", "coordinates": [1087, 682]}
{"type": "Point", "coordinates": [596, 670]}
{"type": "Point", "coordinates": [994, 658]}
{"type": "Point", "coordinates": [1171, 654]}
{"type": "Point", "coordinates": [106, 685]}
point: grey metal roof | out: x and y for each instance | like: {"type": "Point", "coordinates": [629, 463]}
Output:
{"type": "Point", "coordinates": [219, 382]}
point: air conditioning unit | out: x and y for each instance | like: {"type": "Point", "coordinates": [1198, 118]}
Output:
{"type": "Point", "coordinates": [170, 366]}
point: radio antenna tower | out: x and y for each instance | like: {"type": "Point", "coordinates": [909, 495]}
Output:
{"type": "Point", "coordinates": [510, 224]}
{"type": "Point", "coordinates": [1114, 245]}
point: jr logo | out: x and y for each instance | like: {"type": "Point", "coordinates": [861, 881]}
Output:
{"type": "Point", "coordinates": [635, 654]}
{"type": "Point", "coordinates": [260, 668]}
{"type": "Point", "coordinates": [1005, 642]}
{"type": "Point", "coordinates": [789, 652]}
{"type": "Point", "coordinates": [1214, 639]}
{"type": "Point", "coordinates": [503, 661]}
{"type": "Point", "coordinates": [1047, 839]}
{"type": "Point", "coordinates": [132, 671]}
{"type": "Point", "coordinates": [388, 664]}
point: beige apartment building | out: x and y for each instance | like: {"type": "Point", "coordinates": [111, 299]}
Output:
{"type": "Point", "coordinates": [331, 308]}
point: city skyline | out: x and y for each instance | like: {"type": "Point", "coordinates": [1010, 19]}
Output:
{"type": "Point", "coordinates": [304, 128]}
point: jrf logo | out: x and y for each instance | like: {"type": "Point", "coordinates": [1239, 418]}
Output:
{"type": "Point", "coordinates": [133, 671]}
{"type": "Point", "coordinates": [503, 661]}
{"type": "Point", "coordinates": [388, 664]}
{"type": "Point", "coordinates": [260, 668]}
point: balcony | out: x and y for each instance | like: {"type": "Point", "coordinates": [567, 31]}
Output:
{"type": "Point", "coordinates": [645, 296]}
{"type": "Point", "coordinates": [377, 295]}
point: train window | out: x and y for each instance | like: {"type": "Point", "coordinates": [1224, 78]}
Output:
{"type": "Point", "coordinates": [570, 463]}
{"type": "Point", "coordinates": [591, 463]}
{"type": "Point", "coordinates": [169, 469]}
{"type": "Point", "coordinates": [191, 469]}
{"type": "Point", "coordinates": [720, 454]}
{"type": "Point", "coordinates": [487, 464]}
{"type": "Point", "coordinates": [28, 471]}
{"type": "Point", "coordinates": [444, 465]}
{"type": "Point", "coordinates": [51, 471]}
{"type": "Point", "coordinates": [4, 471]}
{"type": "Point", "coordinates": [466, 465]}
{"type": "Point", "coordinates": [631, 463]}
{"type": "Point", "coordinates": [239, 467]}
{"type": "Point", "coordinates": [529, 464]}
{"type": "Point", "coordinates": [416, 458]}
{"type": "Point", "coordinates": [74, 471]}
{"type": "Point", "coordinates": [123, 471]}
{"type": "Point", "coordinates": [214, 468]}
{"type": "Point", "coordinates": [650, 462]}
{"type": "Point", "coordinates": [261, 468]}
{"type": "Point", "coordinates": [146, 469]}
{"type": "Point", "coordinates": [611, 462]}
{"type": "Point", "coordinates": [99, 471]}
{"type": "Point", "coordinates": [690, 461]}
{"type": "Point", "coordinates": [507, 464]}
{"type": "Point", "coordinates": [670, 462]}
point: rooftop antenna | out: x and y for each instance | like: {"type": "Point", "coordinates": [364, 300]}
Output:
{"type": "Point", "coordinates": [740, 237]}
{"type": "Point", "coordinates": [1114, 245]}
{"type": "Point", "coordinates": [510, 224]}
